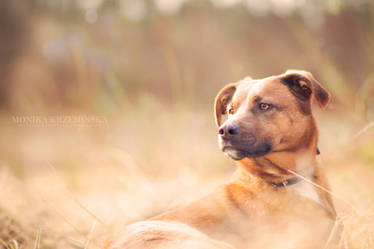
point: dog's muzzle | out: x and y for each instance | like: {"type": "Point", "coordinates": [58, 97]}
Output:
{"type": "Point", "coordinates": [241, 151]}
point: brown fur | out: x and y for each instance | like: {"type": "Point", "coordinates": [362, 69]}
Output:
{"type": "Point", "coordinates": [249, 212]}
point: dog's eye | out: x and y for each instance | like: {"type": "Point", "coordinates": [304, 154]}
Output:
{"type": "Point", "coordinates": [231, 110]}
{"type": "Point", "coordinates": [264, 107]}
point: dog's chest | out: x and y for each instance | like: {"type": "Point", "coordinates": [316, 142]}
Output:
{"type": "Point", "coordinates": [306, 190]}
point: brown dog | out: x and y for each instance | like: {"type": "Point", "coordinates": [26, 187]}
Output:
{"type": "Point", "coordinates": [271, 132]}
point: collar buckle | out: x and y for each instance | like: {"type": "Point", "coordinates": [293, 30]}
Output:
{"type": "Point", "coordinates": [285, 183]}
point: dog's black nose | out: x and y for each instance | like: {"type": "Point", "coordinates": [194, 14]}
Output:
{"type": "Point", "coordinates": [228, 130]}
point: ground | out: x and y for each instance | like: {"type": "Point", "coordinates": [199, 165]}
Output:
{"type": "Point", "coordinates": [76, 186]}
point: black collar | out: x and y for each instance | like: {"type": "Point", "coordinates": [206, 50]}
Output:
{"type": "Point", "coordinates": [288, 182]}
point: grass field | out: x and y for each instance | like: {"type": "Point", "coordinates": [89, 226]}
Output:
{"type": "Point", "coordinates": [76, 185]}
{"type": "Point", "coordinates": [106, 107]}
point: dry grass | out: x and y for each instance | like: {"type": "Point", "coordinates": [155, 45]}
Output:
{"type": "Point", "coordinates": [72, 187]}
{"type": "Point", "coordinates": [75, 187]}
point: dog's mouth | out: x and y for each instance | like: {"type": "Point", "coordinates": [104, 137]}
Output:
{"type": "Point", "coordinates": [239, 153]}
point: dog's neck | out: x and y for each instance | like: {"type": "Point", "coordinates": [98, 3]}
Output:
{"type": "Point", "coordinates": [263, 172]}
{"type": "Point", "coordinates": [279, 166]}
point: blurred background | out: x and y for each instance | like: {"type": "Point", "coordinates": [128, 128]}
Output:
{"type": "Point", "coordinates": [106, 106]}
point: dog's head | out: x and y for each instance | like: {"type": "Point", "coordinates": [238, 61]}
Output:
{"type": "Point", "coordinates": [268, 115]}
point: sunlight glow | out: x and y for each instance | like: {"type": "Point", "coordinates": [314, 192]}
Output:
{"type": "Point", "coordinates": [91, 15]}
{"type": "Point", "coordinates": [89, 4]}
{"type": "Point", "coordinates": [135, 10]}
{"type": "Point", "coordinates": [225, 3]}
{"type": "Point", "coordinates": [169, 6]}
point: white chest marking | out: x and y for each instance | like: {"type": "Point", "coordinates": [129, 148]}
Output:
{"type": "Point", "coordinates": [307, 190]}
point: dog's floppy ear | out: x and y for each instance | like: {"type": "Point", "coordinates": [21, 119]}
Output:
{"type": "Point", "coordinates": [222, 99]}
{"type": "Point", "coordinates": [303, 85]}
